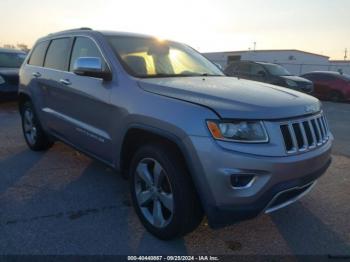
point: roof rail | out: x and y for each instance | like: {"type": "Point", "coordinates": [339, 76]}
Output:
{"type": "Point", "coordinates": [70, 30]}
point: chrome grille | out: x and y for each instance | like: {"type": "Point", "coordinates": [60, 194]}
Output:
{"type": "Point", "coordinates": [304, 134]}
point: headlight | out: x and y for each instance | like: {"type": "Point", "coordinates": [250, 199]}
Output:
{"type": "Point", "coordinates": [238, 131]}
{"type": "Point", "coordinates": [291, 83]}
{"type": "Point", "coordinates": [2, 80]}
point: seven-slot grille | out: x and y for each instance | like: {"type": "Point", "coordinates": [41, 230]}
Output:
{"type": "Point", "coordinates": [305, 134]}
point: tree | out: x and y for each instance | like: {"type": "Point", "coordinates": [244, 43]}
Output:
{"type": "Point", "coordinates": [9, 46]}
{"type": "Point", "coordinates": [23, 47]}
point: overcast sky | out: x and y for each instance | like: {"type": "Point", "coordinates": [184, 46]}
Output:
{"type": "Point", "coordinates": [320, 26]}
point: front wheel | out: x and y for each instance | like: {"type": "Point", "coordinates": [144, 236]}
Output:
{"type": "Point", "coordinates": [162, 193]}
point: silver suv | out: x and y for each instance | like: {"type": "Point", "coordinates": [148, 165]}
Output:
{"type": "Point", "coordinates": [191, 141]}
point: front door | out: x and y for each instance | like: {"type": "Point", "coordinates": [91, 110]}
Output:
{"type": "Point", "coordinates": [80, 105]}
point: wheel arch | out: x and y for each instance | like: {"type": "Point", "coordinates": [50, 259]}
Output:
{"type": "Point", "coordinates": [138, 135]}
{"type": "Point", "coordinates": [22, 98]}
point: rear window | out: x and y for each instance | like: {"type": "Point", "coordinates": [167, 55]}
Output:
{"type": "Point", "coordinates": [38, 54]}
{"type": "Point", "coordinates": [58, 54]}
{"type": "Point", "coordinates": [325, 77]}
{"type": "Point", "coordinates": [11, 59]}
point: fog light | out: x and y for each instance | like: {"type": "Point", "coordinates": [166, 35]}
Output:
{"type": "Point", "coordinates": [242, 181]}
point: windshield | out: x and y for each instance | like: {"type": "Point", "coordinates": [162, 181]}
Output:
{"type": "Point", "coordinates": [11, 60]}
{"type": "Point", "coordinates": [277, 70]}
{"type": "Point", "coordinates": [149, 57]}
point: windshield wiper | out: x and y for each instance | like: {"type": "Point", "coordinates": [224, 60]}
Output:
{"type": "Point", "coordinates": [206, 74]}
{"type": "Point", "coordinates": [178, 75]}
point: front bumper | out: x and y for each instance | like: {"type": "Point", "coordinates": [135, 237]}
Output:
{"type": "Point", "coordinates": [223, 203]}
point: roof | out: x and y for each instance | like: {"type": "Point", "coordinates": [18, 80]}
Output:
{"type": "Point", "coordinates": [334, 73]}
{"type": "Point", "coordinates": [104, 32]}
{"type": "Point", "coordinates": [339, 61]}
{"type": "Point", "coordinates": [120, 33]}
{"type": "Point", "coordinates": [324, 72]}
{"type": "Point", "coordinates": [265, 63]}
{"type": "Point", "coordinates": [271, 50]}
{"type": "Point", "coordinates": [10, 50]}
{"type": "Point", "coordinates": [254, 62]}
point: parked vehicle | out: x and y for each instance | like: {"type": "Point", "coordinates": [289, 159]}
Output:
{"type": "Point", "coordinates": [10, 62]}
{"type": "Point", "coordinates": [268, 73]}
{"type": "Point", "coordinates": [190, 140]}
{"type": "Point", "coordinates": [330, 85]}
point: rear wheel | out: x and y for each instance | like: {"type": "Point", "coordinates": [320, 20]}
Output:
{"type": "Point", "coordinates": [34, 136]}
{"type": "Point", "coordinates": [162, 193]}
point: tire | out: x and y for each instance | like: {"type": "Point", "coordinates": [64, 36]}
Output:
{"type": "Point", "coordinates": [170, 208]}
{"type": "Point", "coordinates": [34, 135]}
{"type": "Point", "coordinates": [335, 96]}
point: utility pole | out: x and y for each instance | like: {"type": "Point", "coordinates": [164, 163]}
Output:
{"type": "Point", "coordinates": [254, 46]}
{"type": "Point", "coordinates": [346, 54]}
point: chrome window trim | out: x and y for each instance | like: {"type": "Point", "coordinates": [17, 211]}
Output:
{"type": "Point", "coordinates": [71, 36]}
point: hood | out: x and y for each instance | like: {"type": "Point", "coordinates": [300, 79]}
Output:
{"type": "Point", "coordinates": [236, 98]}
{"type": "Point", "coordinates": [4, 71]}
{"type": "Point", "coordinates": [297, 79]}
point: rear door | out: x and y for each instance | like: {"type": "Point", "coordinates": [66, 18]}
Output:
{"type": "Point", "coordinates": [56, 68]}
{"type": "Point", "coordinates": [32, 77]}
{"type": "Point", "coordinates": [323, 85]}
{"type": "Point", "coordinates": [82, 104]}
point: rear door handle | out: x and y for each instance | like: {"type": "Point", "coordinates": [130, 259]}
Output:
{"type": "Point", "coordinates": [36, 74]}
{"type": "Point", "coordinates": [65, 82]}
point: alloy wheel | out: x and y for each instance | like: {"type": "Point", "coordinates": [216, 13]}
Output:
{"type": "Point", "coordinates": [154, 193]}
{"type": "Point", "coordinates": [30, 129]}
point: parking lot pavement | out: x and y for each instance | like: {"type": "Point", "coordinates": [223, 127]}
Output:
{"type": "Point", "coordinates": [62, 202]}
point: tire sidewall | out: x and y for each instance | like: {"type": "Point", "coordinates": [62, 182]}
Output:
{"type": "Point", "coordinates": [42, 141]}
{"type": "Point", "coordinates": [28, 106]}
{"type": "Point", "coordinates": [150, 151]}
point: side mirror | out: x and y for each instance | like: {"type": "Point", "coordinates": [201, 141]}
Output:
{"type": "Point", "coordinates": [91, 66]}
{"type": "Point", "coordinates": [262, 74]}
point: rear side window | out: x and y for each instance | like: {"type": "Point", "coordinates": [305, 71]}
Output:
{"type": "Point", "coordinates": [38, 54]}
{"type": "Point", "coordinates": [85, 47]}
{"type": "Point", "coordinates": [310, 77]}
{"type": "Point", "coordinates": [256, 69]}
{"type": "Point", "coordinates": [58, 54]}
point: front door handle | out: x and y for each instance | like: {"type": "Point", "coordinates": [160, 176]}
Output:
{"type": "Point", "coordinates": [65, 82]}
{"type": "Point", "coordinates": [36, 74]}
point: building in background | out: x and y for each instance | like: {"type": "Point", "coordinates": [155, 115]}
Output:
{"type": "Point", "coordinates": [295, 61]}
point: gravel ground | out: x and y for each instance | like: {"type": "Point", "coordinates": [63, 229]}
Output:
{"type": "Point", "coordinates": [62, 202]}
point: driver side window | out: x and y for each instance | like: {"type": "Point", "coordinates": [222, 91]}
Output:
{"type": "Point", "coordinates": [85, 47]}
{"type": "Point", "coordinates": [257, 70]}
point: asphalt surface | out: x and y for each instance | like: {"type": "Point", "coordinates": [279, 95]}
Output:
{"type": "Point", "coordinates": [62, 202]}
